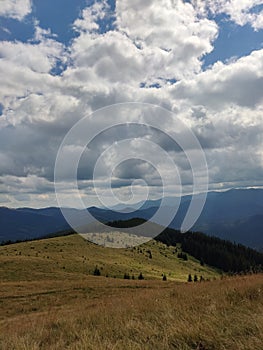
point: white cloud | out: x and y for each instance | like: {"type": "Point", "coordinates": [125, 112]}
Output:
{"type": "Point", "coordinates": [88, 22]}
{"type": "Point", "coordinates": [169, 34]}
{"type": "Point", "coordinates": [109, 58]}
{"type": "Point", "coordinates": [257, 21]}
{"type": "Point", "coordinates": [39, 58]}
{"type": "Point", "coordinates": [240, 83]}
{"type": "Point", "coordinates": [241, 12]}
{"type": "Point", "coordinates": [153, 41]}
{"type": "Point", "coordinates": [25, 67]}
{"type": "Point", "coordinates": [17, 9]}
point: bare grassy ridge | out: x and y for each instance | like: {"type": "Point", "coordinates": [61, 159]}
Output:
{"type": "Point", "coordinates": [73, 257]}
{"type": "Point", "coordinates": [57, 308]}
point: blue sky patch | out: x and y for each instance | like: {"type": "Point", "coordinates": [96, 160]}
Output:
{"type": "Point", "coordinates": [56, 16]}
{"type": "Point", "coordinates": [59, 17]}
{"type": "Point", "coordinates": [233, 41]}
{"type": "Point", "coordinates": [12, 29]}
{"type": "Point", "coordinates": [256, 9]}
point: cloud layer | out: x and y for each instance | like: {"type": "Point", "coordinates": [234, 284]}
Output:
{"type": "Point", "coordinates": [150, 52]}
{"type": "Point", "coordinates": [16, 9]}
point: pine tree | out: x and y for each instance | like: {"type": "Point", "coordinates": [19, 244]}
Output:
{"type": "Point", "coordinates": [96, 271]}
{"type": "Point", "coordinates": [140, 277]}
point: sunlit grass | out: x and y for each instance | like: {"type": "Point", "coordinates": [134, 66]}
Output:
{"type": "Point", "coordinates": [74, 257]}
{"type": "Point", "coordinates": [49, 299]}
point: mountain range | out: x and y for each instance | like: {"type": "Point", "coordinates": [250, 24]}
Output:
{"type": "Point", "coordinates": [235, 215]}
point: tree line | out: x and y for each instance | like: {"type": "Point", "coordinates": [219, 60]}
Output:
{"type": "Point", "coordinates": [213, 251]}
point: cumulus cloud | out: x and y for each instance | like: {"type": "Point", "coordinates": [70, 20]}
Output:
{"type": "Point", "coordinates": [241, 12]}
{"type": "Point", "coordinates": [240, 83]}
{"type": "Point", "coordinates": [16, 9]}
{"type": "Point", "coordinates": [169, 33]}
{"type": "Point", "coordinates": [152, 53]}
{"type": "Point", "coordinates": [39, 58]}
{"type": "Point", "coordinates": [151, 44]}
{"type": "Point", "coordinates": [26, 68]}
{"type": "Point", "coordinates": [90, 17]}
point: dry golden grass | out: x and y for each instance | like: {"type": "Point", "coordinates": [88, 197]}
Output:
{"type": "Point", "coordinates": [104, 313]}
{"type": "Point", "coordinates": [44, 306]}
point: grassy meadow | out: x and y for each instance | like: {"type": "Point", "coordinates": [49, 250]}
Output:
{"type": "Point", "coordinates": [50, 300]}
{"type": "Point", "coordinates": [72, 257]}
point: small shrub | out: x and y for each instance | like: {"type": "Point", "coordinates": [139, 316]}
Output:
{"type": "Point", "coordinates": [96, 271]}
{"type": "Point", "coordinates": [140, 277]}
{"type": "Point", "coordinates": [189, 278]}
{"type": "Point", "coordinates": [182, 256]}
{"type": "Point", "coordinates": [150, 254]}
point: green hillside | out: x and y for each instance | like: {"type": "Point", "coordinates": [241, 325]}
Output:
{"type": "Point", "coordinates": [73, 257]}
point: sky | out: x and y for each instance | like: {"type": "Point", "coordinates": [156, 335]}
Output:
{"type": "Point", "coordinates": [63, 60]}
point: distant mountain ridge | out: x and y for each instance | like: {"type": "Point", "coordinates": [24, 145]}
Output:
{"type": "Point", "coordinates": [236, 215]}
